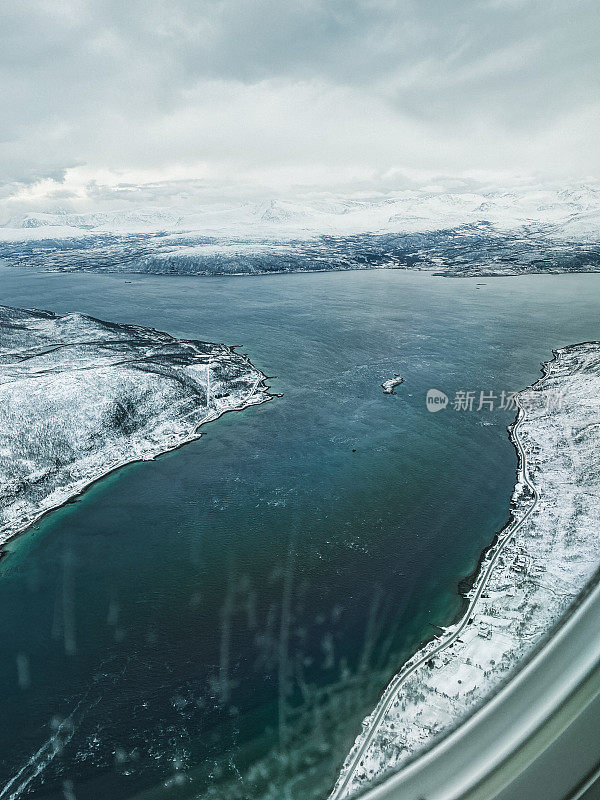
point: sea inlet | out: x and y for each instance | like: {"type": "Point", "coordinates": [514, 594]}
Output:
{"type": "Point", "coordinates": [217, 623]}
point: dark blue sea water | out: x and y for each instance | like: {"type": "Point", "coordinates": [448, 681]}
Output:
{"type": "Point", "coordinates": [217, 623]}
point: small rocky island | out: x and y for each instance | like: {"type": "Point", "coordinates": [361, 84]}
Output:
{"type": "Point", "coordinates": [389, 385]}
{"type": "Point", "coordinates": [80, 397]}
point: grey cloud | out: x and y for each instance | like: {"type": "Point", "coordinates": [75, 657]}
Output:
{"type": "Point", "coordinates": [102, 83]}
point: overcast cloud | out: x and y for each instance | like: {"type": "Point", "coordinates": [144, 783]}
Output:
{"type": "Point", "coordinates": [146, 99]}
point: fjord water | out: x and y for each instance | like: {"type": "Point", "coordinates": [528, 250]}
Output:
{"type": "Point", "coordinates": [218, 622]}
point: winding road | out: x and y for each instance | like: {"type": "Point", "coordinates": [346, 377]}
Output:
{"type": "Point", "coordinates": [391, 692]}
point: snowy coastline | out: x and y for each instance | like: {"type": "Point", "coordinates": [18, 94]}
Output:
{"type": "Point", "coordinates": [531, 575]}
{"type": "Point", "coordinates": [80, 398]}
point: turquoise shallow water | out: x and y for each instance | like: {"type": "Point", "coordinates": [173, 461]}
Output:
{"type": "Point", "coordinates": [217, 623]}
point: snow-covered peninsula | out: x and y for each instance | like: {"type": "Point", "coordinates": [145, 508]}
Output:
{"type": "Point", "coordinates": [80, 397]}
{"type": "Point", "coordinates": [534, 571]}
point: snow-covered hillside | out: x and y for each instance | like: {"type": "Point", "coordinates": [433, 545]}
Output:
{"type": "Point", "coordinates": [80, 397]}
{"type": "Point", "coordinates": [469, 233]}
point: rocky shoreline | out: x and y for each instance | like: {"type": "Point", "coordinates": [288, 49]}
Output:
{"type": "Point", "coordinates": [527, 580]}
{"type": "Point", "coordinates": [80, 398]}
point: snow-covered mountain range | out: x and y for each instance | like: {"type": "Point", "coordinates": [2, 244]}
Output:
{"type": "Point", "coordinates": [476, 233]}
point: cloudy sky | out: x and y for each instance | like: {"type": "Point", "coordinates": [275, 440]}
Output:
{"type": "Point", "coordinates": [148, 100]}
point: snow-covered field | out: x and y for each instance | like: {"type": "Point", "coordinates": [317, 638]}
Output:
{"type": "Point", "coordinates": [536, 569]}
{"type": "Point", "coordinates": [80, 397]}
{"type": "Point", "coordinates": [453, 233]}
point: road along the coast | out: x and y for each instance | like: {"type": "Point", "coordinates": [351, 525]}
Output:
{"type": "Point", "coordinates": [391, 693]}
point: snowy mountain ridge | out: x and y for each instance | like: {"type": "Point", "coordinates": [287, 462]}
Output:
{"type": "Point", "coordinates": [577, 208]}
{"type": "Point", "coordinates": [454, 234]}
